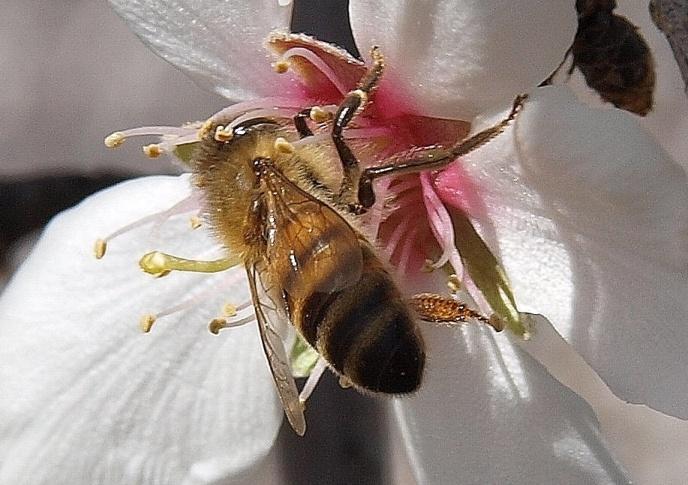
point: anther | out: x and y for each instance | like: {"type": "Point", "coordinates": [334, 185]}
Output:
{"type": "Point", "coordinates": [454, 283]}
{"type": "Point", "coordinates": [114, 140]}
{"type": "Point", "coordinates": [217, 324]}
{"type": "Point", "coordinates": [223, 134]}
{"type": "Point", "coordinates": [153, 150]}
{"type": "Point", "coordinates": [280, 67]}
{"type": "Point", "coordinates": [146, 322]}
{"type": "Point", "coordinates": [229, 310]}
{"type": "Point", "coordinates": [195, 222]}
{"type": "Point", "coordinates": [319, 115]}
{"type": "Point", "coordinates": [99, 248]}
{"type": "Point", "coordinates": [283, 146]}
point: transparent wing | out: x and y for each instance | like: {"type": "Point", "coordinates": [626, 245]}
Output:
{"type": "Point", "coordinates": [273, 346]}
{"type": "Point", "coordinates": [311, 246]}
{"type": "Point", "coordinates": [218, 42]}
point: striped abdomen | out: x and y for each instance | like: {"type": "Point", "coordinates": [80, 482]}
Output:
{"type": "Point", "coordinates": [365, 331]}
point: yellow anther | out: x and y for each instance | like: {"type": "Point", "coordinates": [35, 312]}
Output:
{"type": "Point", "coordinates": [155, 263]}
{"type": "Point", "coordinates": [223, 134]}
{"type": "Point", "coordinates": [280, 67]}
{"type": "Point", "coordinates": [146, 322]}
{"type": "Point", "coordinates": [283, 146]}
{"type": "Point", "coordinates": [114, 139]}
{"type": "Point", "coordinates": [319, 115]}
{"type": "Point", "coordinates": [99, 248]}
{"type": "Point", "coordinates": [217, 324]}
{"type": "Point", "coordinates": [160, 264]}
{"type": "Point", "coordinates": [205, 129]}
{"type": "Point", "coordinates": [195, 222]}
{"type": "Point", "coordinates": [454, 283]}
{"type": "Point", "coordinates": [152, 151]}
{"type": "Point", "coordinates": [229, 310]}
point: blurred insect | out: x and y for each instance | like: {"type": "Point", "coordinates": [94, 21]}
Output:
{"type": "Point", "coordinates": [612, 56]}
{"type": "Point", "coordinates": [290, 216]}
{"type": "Point", "coordinates": [671, 17]}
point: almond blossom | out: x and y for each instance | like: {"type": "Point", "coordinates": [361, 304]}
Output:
{"type": "Point", "coordinates": [586, 218]}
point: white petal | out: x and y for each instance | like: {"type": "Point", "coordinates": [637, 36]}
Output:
{"type": "Point", "coordinates": [461, 57]}
{"type": "Point", "coordinates": [489, 413]}
{"type": "Point", "coordinates": [85, 397]}
{"type": "Point", "coordinates": [590, 217]}
{"type": "Point", "coordinates": [219, 42]}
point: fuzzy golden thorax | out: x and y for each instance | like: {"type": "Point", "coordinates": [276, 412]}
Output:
{"type": "Point", "coordinates": [224, 172]}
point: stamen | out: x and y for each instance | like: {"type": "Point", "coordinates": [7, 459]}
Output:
{"type": "Point", "coordinates": [313, 380]}
{"type": "Point", "coordinates": [160, 264]}
{"type": "Point", "coordinates": [273, 112]}
{"type": "Point", "coordinates": [195, 222]}
{"type": "Point", "coordinates": [153, 150]}
{"type": "Point", "coordinates": [231, 112]}
{"type": "Point", "coordinates": [283, 146]}
{"type": "Point", "coordinates": [146, 322]}
{"type": "Point", "coordinates": [114, 140]}
{"type": "Point", "coordinates": [186, 204]}
{"type": "Point", "coordinates": [223, 134]}
{"type": "Point", "coordinates": [317, 63]}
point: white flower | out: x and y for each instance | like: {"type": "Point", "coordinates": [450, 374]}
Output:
{"type": "Point", "coordinates": [587, 214]}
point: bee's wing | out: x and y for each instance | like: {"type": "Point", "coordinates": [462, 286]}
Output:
{"type": "Point", "coordinates": [310, 246]}
{"type": "Point", "coordinates": [273, 346]}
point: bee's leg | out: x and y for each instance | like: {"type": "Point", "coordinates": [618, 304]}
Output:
{"type": "Point", "coordinates": [354, 102]}
{"type": "Point", "coordinates": [301, 123]}
{"type": "Point", "coordinates": [446, 310]}
{"type": "Point", "coordinates": [431, 158]}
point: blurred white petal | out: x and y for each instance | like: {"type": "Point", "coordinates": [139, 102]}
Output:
{"type": "Point", "coordinates": [489, 413]}
{"type": "Point", "coordinates": [649, 444]}
{"type": "Point", "coordinates": [85, 397]}
{"type": "Point", "coordinates": [219, 42]}
{"type": "Point", "coordinates": [462, 57]}
{"type": "Point", "coordinates": [590, 218]}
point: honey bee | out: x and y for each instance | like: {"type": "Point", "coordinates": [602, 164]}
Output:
{"type": "Point", "coordinates": [293, 221]}
{"type": "Point", "coordinates": [613, 57]}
